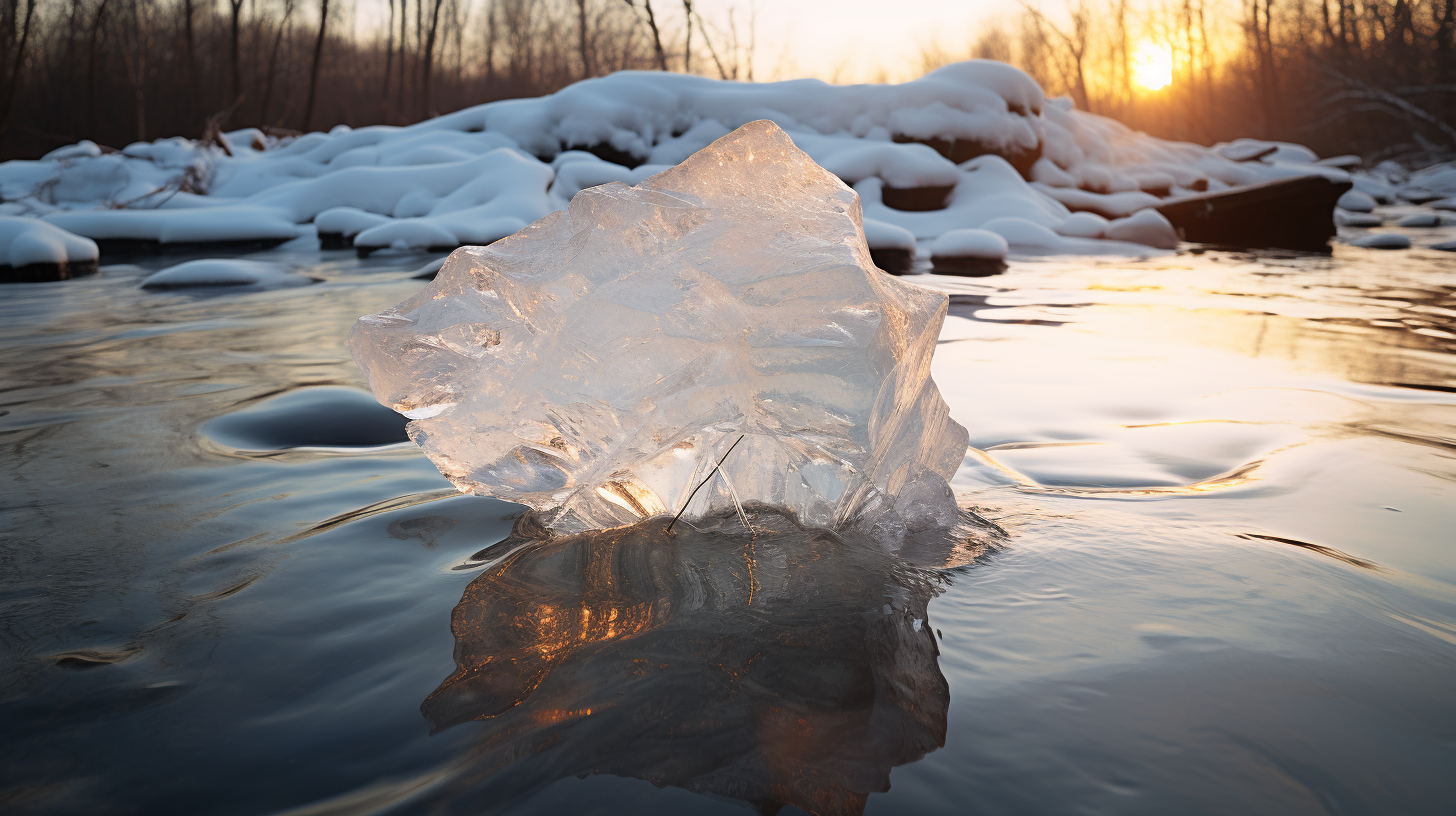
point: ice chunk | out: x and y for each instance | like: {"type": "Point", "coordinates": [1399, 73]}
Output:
{"type": "Point", "coordinates": [599, 364]}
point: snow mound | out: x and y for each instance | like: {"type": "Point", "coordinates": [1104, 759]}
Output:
{"type": "Point", "coordinates": [713, 338]}
{"type": "Point", "coordinates": [26, 241]}
{"type": "Point", "coordinates": [1147, 227]}
{"type": "Point", "coordinates": [1356, 201]}
{"type": "Point", "coordinates": [970, 243]}
{"type": "Point", "coordinates": [225, 272]}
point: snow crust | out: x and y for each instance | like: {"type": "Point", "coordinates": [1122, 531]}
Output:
{"type": "Point", "coordinates": [479, 174]}
{"type": "Point", "coordinates": [600, 364]}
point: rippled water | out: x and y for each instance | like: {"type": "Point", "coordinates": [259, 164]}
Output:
{"type": "Point", "coordinates": [1227, 582]}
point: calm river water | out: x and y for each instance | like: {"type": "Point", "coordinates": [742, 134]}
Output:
{"type": "Point", "coordinates": [1228, 584]}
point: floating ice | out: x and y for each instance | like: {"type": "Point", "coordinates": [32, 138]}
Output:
{"type": "Point", "coordinates": [598, 364]}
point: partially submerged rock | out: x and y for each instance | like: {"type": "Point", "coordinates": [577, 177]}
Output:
{"type": "Point", "coordinates": [1295, 213]}
{"type": "Point", "coordinates": [713, 338]}
{"type": "Point", "coordinates": [33, 251]}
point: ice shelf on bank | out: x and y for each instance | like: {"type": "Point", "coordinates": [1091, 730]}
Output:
{"type": "Point", "coordinates": [600, 363]}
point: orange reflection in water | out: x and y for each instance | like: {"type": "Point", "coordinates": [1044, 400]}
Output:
{"type": "Point", "coordinates": [790, 667]}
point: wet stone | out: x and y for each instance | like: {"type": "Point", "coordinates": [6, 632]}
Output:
{"type": "Point", "coordinates": [316, 417]}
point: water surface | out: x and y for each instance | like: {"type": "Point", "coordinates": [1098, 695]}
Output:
{"type": "Point", "coordinates": [1227, 581]}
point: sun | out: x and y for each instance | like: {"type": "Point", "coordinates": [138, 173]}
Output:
{"type": "Point", "coordinates": [1152, 65]}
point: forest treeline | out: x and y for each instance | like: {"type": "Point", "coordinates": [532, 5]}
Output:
{"type": "Point", "coordinates": [1377, 77]}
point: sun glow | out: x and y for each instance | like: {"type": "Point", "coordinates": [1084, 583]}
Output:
{"type": "Point", "coordinates": [1152, 65]}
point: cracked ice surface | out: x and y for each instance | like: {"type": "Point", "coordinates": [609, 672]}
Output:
{"type": "Point", "coordinates": [597, 364]}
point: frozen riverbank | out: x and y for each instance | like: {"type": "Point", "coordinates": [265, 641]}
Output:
{"type": "Point", "coordinates": [972, 145]}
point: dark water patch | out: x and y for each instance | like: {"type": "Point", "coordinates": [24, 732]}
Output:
{"type": "Point", "coordinates": [46, 272]}
{"type": "Point", "coordinates": [966, 266]}
{"type": "Point", "coordinates": [90, 658]}
{"type": "Point", "coordinates": [314, 417]}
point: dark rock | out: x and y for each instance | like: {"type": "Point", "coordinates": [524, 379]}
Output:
{"type": "Point", "coordinates": [606, 152]}
{"type": "Point", "coordinates": [960, 150]}
{"type": "Point", "coordinates": [1295, 213]}
{"type": "Point", "coordinates": [916, 199]}
{"type": "Point", "coordinates": [316, 417]}
{"type": "Point", "coordinates": [42, 272]}
{"type": "Point", "coordinates": [335, 240]}
{"type": "Point", "coordinates": [894, 261]}
{"type": "Point", "coordinates": [119, 248]}
{"type": "Point", "coordinates": [966, 267]}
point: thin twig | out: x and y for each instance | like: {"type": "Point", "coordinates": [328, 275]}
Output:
{"type": "Point", "coordinates": [703, 482]}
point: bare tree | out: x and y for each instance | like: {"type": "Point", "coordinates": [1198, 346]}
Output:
{"type": "Point", "coordinates": [14, 41]}
{"type": "Point", "coordinates": [318, 52]}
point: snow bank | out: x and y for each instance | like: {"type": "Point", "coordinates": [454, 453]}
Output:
{"type": "Point", "coordinates": [964, 145]}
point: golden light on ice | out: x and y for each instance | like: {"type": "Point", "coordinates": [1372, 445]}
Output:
{"type": "Point", "coordinates": [1152, 65]}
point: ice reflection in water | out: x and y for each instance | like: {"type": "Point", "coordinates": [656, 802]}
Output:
{"type": "Point", "coordinates": [787, 667]}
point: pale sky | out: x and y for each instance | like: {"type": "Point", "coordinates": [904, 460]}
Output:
{"type": "Point", "coordinates": [847, 40]}
{"type": "Point", "coordinates": [858, 38]}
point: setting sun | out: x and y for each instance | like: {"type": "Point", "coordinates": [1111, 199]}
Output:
{"type": "Point", "coordinates": [1152, 66]}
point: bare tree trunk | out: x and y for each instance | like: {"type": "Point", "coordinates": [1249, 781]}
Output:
{"type": "Point", "coordinates": [389, 52]}
{"type": "Point", "coordinates": [273, 61]}
{"type": "Point", "coordinates": [318, 51]}
{"type": "Point", "coordinates": [17, 66]}
{"type": "Point", "coordinates": [656, 35]}
{"type": "Point", "coordinates": [237, 9]}
{"type": "Point", "coordinates": [427, 103]}
{"type": "Point", "coordinates": [490, 37]}
{"type": "Point", "coordinates": [93, 69]}
{"type": "Point", "coordinates": [586, 61]}
{"type": "Point", "coordinates": [688, 43]}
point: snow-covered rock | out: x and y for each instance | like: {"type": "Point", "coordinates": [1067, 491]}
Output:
{"type": "Point", "coordinates": [1356, 201]}
{"type": "Point", "coordinates": [1083, 225]}
{"type": "Point", "coordinates": [1147, 227]}
{"type": "Point", "coordinates": [1382, 240]}
{"type": "Point", "coordinates": [970, 243]}
{"type": "Point", "coordinates": [1420, 220]}
{"type": "Point", "coordinates": [26, 242]}
{"type": "Point", "coordinates": [225, 272]}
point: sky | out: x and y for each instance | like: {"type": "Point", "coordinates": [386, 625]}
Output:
{"type": "Point", "coordinates": [854, 40]}
{"type": "Point", "coordinates": [841, 40]}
